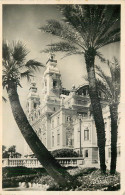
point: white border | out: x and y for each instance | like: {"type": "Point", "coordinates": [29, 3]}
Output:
{"type": "Point", "coordinates": [122, 2]}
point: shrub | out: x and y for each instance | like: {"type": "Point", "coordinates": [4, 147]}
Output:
{"type": "Point", "coordinates": [19, 171]}
{"type": "Point", "coordinates": [64, 153]}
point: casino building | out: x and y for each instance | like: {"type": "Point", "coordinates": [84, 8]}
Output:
{"type": "Point", "coordinates": [63, 119]}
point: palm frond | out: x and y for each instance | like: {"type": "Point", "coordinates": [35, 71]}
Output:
{"type": "Point", "coordinates": [112, 81]}
{"type": "Point", "coordinates": [114, 68]}
{"type": "Point", "coordinates": [110, 23]}
{"type": "Point", "coordinates": [14, 66]}
{"type": "Point", "coordinates": [93, 22]}
{"type": "Point", "coordinates": [61, 46]}
{"type": "Point", "coordinates": [102, 87]}
{"type": "Point", "coordinates": [72, 53]}
{"type": "Point", "coordinates": [19, 52]}
{"type": "Point", "coordinates": [100, 56]}
{"type": "Point", "coordinates": [27, 74]}
{"type": "Point", "coordinates": [5, 51]}
{"type": "Point", "coordinates": [105, 78]}
{"type": "Point", "coordinates": [64, 31]}
{"type": "Point", "coordinates": [107, 40]}
{"type": "Point", "coordinates": [34, 65]}
{"type": "Point", "coordinates": [87, 26]}
{"type": "Point", "coordinates": [4, 99]}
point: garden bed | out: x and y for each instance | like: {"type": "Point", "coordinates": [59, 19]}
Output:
{"type": "Point", "coordinates": [90, 179]}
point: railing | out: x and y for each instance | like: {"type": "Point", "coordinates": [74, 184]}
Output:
{"type": "Point", "coordinates": [33, 162]}
{"type": "Point", "coordinates": [76, 161]}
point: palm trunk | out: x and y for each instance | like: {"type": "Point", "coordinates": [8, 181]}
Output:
{"type": "Point", "coordinates": [96, 106]}
{"type": "Point", "coordinates": [114, 127]}
{"type": "Point", "coordinates": [54, 169]}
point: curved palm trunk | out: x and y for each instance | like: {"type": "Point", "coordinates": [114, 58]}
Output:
{"type": "Point", "coordinates": [114, 127]}
{"type": "Point", "coordinates": [53, 168]}
{"type": "Point", "coordinates": [97, 110]}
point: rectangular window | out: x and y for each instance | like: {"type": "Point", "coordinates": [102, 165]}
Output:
{"type": "Point", "coordinates": [52, 123]}
{"type": "Point", "coordinates": [52, 139]}
{"type": "Point", "coordinates": [35, 105]}
{"type": "Point", "coordinates": [86, 153]}
{"type": "Point", "coordinates": [54, 83]}
{"type": "Point", "coordinates": [58, 139]}
{"type": "Point", "coordinates": [58, 120]}
{"type": "Point", "coordinates": [86, 134]}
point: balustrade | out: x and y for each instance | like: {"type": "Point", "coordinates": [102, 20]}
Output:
{"type": "Point", "coordinates": [33, 162]}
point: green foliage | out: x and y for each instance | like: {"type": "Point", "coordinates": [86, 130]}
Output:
{"type": "Point", "coordinates": [64, 153]}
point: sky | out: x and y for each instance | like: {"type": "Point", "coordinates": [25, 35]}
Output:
{"type": "Point", "coordinates": [21, 23]}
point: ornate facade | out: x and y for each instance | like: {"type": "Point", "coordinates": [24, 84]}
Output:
{"type": "Point", "coordinates": [63, 119]}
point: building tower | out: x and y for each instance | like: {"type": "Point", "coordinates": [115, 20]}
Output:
{"type": "Point", "coordinates": [33, 100]}
{"type": "Point", "coordinates": [52, 79]}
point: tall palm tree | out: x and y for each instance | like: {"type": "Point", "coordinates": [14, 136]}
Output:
{"type": "Point", "coordinates": [14, 67]}
{"type": "Point", "coordinates": [85, 29]}
{"type": "Point", "coordinates": [110, 86]}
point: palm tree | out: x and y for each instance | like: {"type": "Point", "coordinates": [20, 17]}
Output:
{"type": "Point", "coordinates": [110, 86]}
{"type": "Point", "coordinates": [14, 67]}
{"type": "Point", "coordinates": [85, 29]}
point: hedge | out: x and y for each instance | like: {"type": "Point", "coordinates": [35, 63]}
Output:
{"type": "Point", "coordinates": [64, 153]}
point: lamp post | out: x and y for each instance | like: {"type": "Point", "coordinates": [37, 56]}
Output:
{"type": "Point", "coordinates": [80, 147]}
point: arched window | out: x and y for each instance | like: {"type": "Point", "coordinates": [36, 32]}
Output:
{"type": "Point", "coordinates": [68, 118]}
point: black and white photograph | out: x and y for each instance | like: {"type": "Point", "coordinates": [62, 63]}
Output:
{"type": "Point", "coordinates": [61, 97]}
